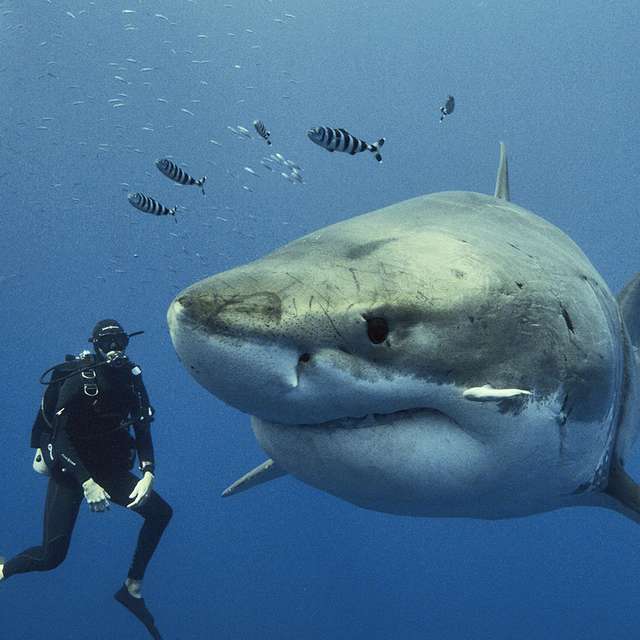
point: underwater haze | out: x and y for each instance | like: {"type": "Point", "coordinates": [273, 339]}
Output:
{"type": "Point", "coordinates": [94, 92]}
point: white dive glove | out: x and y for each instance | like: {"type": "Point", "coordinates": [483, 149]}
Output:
{"type": "Point", "coordinates": [96, 496]}
{"type": "Point", "coordinates": [142, 490]}
{"type": "Point", "coordinates": [39, 465]}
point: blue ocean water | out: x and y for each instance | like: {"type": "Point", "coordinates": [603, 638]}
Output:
{"type": "Point", "coordinates": [94, 92]}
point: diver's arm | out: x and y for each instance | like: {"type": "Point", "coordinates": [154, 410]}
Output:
{"type": "Point", "coordinates": [143, 414]}
{"type": "Point", "coordinates": [63, 447]}
{"type": "Point", "coordinates": [144, 445]}
{"type": "Point", "coordinates": [144, 442]}
{"type": "Point", "coordinates": [39, 426]}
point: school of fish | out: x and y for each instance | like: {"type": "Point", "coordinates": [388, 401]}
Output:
{"type": "Point", "coordinates": [329, 138]}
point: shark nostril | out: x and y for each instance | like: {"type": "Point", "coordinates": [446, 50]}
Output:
{"type": "Point", "coordinates": [305, 357]}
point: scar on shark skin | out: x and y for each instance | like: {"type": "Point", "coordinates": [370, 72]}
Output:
{"type": "Point", "coordinates": [487, 393]}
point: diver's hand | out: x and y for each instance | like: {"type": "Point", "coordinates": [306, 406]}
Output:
{"type": "Point", "coordinates": [96, 496]}
{"type": "Point", "coordinates": [142, 491]}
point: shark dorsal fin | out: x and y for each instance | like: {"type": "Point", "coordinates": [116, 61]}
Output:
{"type": "Point", "coordinates": [629, 303]}
{"type": "Point", "coordinates": [502, 179]}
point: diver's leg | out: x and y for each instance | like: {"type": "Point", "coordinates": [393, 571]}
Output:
{"type": "Point", "coordinates": [156, 513]}
{"type": "Point", "coordinates": [64, 497]}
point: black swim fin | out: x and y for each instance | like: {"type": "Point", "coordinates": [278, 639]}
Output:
{"type": "Point", "coordinates": [138, 609]}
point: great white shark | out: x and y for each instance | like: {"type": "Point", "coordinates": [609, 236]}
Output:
{"type": "Point", "coordinates": [449, 355]}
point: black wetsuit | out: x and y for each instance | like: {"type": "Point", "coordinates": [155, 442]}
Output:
{"type": "Point", "coordinates": [88, 441]}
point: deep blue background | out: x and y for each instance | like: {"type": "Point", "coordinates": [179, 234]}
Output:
{"type": "Point", "coordinates": [557, 81]}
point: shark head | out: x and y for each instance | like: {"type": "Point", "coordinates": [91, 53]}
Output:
{"type": "Point", "coordinates": [450, 355]}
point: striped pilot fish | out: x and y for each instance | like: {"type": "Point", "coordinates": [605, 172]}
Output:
{"type": "Point", "coordinates": [149, 205]}
{"type": "Point", "coordinates": [342, 140]}
{"type": "Point", "coordinates": [447, 108]}
{"type": "Point", "coordinates": [262, 130]}
{"type": "Point", "coordinates": [175, 173]}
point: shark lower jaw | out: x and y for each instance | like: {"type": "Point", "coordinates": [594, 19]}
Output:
{"type": "Point", "coordinates": [414, 462]}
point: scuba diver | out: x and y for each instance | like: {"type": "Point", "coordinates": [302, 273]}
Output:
{"type": "Point", "coordinates": [448, 107]}
{"type": "Point", "coordinates": [83, 441]}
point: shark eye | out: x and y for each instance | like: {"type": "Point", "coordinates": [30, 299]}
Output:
{"type": "Point", "coordinates": [377, 330]}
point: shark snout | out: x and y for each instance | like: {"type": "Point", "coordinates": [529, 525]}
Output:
{"type": "Point", "coordinates": [228, 312]}
{"type": "Point", "coordinates": [214, 336]}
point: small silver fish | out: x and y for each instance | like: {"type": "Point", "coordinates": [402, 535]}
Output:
{"type": "Point", "coordinates": [292, 165]}
{"type": "Point", "coordinates": [241, 132]}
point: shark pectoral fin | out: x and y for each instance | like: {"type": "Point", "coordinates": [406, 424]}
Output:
{"type": "Point", "coordinates": [265, 472]}
{"type": "Point", "coordinates": [502, 179]}
{"type": "Point", "coordinates": [487, 393]}
{"type": "Point", "coordinates": [625, 491]}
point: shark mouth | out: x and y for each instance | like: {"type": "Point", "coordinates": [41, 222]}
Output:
{"type": "Point", "coordinates": [371, 459]}
{"type": "Point", "coordinates": [371, 420]}
{"type": "Point", "coordinates": [505, 399]}
{"type": "Point", "coordinates": [419, 437]}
